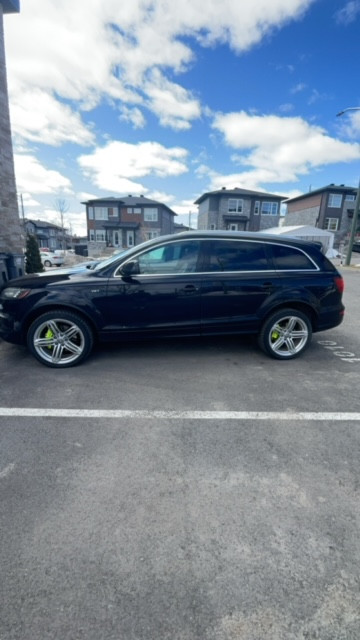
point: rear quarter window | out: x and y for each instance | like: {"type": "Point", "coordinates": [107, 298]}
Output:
{"type": "Point", "coordinates": [288, 258]}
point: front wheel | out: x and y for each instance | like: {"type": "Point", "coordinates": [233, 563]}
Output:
{"type": "Point", "coordinates": [47, 263]}
{"type": "Point", "coordinates": [60, 339]}
{"type": "Point", "coordinates": [285, 334]}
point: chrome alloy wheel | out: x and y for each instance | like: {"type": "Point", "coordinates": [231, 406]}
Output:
{"type": "Point", "coordinates": [288, 336]}
{"type": "Point", "coordinates": [59, 341]}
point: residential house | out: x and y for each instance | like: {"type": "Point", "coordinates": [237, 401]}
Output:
{"type": "Point", "coordinates": [127, 221]}
{"type": "Point", "coordinates": [238, 210]}
{"type": "Point", "coordinates": [331, 208]}
{"type": "Point", "coordinates": [48, 235]}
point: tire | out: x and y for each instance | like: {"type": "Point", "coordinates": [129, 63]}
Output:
{"type": "Point", "coordinates": [47, 263]}
{"type": "Point", "coordinates": [285, 334]}
{"type": "Point", "coordinates": [60, 339]}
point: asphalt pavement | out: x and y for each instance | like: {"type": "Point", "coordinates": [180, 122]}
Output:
{"type": "Point", "coordinates": [183, 490]}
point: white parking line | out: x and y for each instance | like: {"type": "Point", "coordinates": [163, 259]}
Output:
{"type": "Point", "coordinates": [179, 415]}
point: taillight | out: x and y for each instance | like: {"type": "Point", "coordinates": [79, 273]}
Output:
{"type": "Point", "coordinates": [339, 283]}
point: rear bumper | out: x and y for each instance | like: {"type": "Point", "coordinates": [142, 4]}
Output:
{"type": "Point", "coordinates": [329, 320]}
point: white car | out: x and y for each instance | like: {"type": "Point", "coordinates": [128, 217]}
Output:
{"type": "Point", "coordinates": [50, 259]}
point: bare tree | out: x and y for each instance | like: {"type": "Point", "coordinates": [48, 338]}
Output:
{"type": "Point", "coordinates": [62, 206]}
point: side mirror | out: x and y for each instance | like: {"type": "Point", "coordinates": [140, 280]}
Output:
{"type": "Point", "coordinates": [130, 268]}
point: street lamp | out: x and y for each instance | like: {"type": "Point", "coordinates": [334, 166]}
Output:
{"type": "Point", "coordinates": [357, 204]}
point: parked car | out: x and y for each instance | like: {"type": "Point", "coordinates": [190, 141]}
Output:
{"type": "Point", "coordinates": [51, 259]}
{"type": "Point", "coordinates": [356, 247]}
{"type": "Point", "coordinates": [188, 284]}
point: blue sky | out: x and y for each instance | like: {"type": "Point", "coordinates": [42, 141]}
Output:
{"type": "Point", "coordinates": [173, 99]}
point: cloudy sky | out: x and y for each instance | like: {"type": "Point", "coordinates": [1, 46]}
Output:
{"type": "Point", "coordinates": [172, 99]}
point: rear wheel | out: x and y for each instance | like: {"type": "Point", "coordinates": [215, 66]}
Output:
{"type": "Point", "coordinates": [285, 334]}
{"type": "Point", "coordinates": [60, 339]}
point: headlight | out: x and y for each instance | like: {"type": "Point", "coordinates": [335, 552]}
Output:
{"type": "Point", "coordinates": [13, 292]}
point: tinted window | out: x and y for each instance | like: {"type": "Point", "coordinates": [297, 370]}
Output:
{"type": "Point", "coordinates": [175, 257]}
{"type": "Point", "coordinates": [238, 255]}
{"type": "Point", "coordinates": [289, 258]}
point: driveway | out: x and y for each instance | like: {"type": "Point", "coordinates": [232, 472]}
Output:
{"type": "Point", "coordinates": [183, 490]}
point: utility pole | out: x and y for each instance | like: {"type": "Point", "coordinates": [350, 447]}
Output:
{"type": "Point", "coordinates": [355, 219]}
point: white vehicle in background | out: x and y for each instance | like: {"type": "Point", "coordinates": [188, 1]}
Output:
{"type": "Point", "coordinates": [51, 259]}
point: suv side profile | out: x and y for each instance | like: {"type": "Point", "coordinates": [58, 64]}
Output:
{"type": "Point", "coordinates": [189, 284]}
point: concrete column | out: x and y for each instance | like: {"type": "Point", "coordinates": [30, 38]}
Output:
{"type": "Point", "coordinates": [11, 233]}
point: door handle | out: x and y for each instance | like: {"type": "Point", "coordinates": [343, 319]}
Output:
{"type": "Point", "coordinates": [190, 288]}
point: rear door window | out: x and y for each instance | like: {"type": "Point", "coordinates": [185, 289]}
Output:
{"type": "Point", "coordinates": [236, 255]}
{"type": "Point", "coordinates": [288, 258]}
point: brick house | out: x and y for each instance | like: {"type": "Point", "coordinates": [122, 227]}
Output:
{"type": "Point", "coordinates": [127, 221]}
{"type": "Point", "coordinates": [238, 210]}
{"type": "Point", "coordinates": [331, 208]}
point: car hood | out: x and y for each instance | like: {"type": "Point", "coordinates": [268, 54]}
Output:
{"type": "Point", "coordinates": [35, 280]}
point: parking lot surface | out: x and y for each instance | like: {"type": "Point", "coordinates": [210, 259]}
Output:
{"type": "Point", "coordinates": [188, 489]}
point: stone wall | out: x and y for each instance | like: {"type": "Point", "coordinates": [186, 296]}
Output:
{"type": "Point", "coordinates": [11, 235]}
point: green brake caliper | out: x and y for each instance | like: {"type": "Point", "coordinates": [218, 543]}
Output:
{"type": "Point", "coordinates": [49, 335]}
{"type": "Point", "coordinates": [275, 335]}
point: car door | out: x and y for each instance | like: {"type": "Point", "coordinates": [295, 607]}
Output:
{"type": "Point", "coordinates": [162, 294]}
{"type": "Point", "coordinates": [239, 280]}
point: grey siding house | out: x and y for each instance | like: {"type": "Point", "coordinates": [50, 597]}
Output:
{"type": "Point", "coordinates": [48, 235]}
{"type": "Point", "coordinates": [238, 210]}
{"type": "Point", "coordinates": [127, 221]}
{"type": "Point", "coordinates": [331, 208]}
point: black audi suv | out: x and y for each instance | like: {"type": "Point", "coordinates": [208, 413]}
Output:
{"type": "Point", "coordinates": [197, 283]}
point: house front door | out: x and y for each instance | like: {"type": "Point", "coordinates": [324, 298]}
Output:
{"type": "Point", "coordinates": [130, 240]}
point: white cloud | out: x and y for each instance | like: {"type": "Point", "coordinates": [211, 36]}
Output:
{"type": "Point", "coordinates": [114, 166]}
{"type": "Point", "coordinates": [348, 13]}
{"type": "Point", "coordinates": [33, 177]}
{"type": "Point", "coordinates": [286, 107]}
{"type": "Point", "coordinates": [171, 103]}
{"type": "Point", "coordinates": [134, 116]}
{"type": "Point", "coordinates": [349, 126]}
{"type": "Point", "coordinates": [91, 49]}
{"type": "Point", "coordinates": [28, 201]}
{"type": "Point", "coordinates": [301, 86]}
{"type": "Point", "coordinates": [37, 116]}
{"type": "Point", "coordinates": [276, 149]}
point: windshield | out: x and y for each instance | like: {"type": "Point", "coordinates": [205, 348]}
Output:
{"type": "Point", "coordinates": [108, 261]}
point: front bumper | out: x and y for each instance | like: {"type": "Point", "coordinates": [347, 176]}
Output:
{"type": "Point", "coordinates": [10, 330]}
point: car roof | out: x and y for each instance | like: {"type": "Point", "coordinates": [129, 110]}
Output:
{"type": "Point", "coordinates": [237, 235]}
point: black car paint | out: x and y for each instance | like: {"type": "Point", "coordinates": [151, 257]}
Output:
{"type": "Point", "coordinates": [182, 304]}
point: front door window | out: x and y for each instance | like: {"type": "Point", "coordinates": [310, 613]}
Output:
{"type": "Point", "coordinates": [175, 257]}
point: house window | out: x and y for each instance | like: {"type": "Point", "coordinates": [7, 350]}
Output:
{"type": "Point", "coordinates": [331, 224]}
{"type": "Point", "coordinates": [257, 208]}
{"type": "Point", "coordinates": [233, 226]}
{"type": "Point", "coordinates": [100, 236]}
{"type": "Point", "coordinates": [349, 197]}
{"type": "Point", "coordinates": [112, 212]}
{"type": "Point", "coordinates": [151, 215]}
{"type": "Point", "coordinates": [235, 206]}
{"type": "Point", "coordinates": [269, 208]}
{"type": "Point", "coordinates": [101, 213]}
{"type": "Point", "coordinates": [212, 227]}
{"type": "Point", "coordinates": [152, 234]}
{"type": "Point", "coordinates": [92, 235]}
{"type": "Point", "coordinates": [335, 200]}
{"type": "Point", "coordinates": [91, 213]}
{"type": "Point", "coordinates": [134, 210]}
